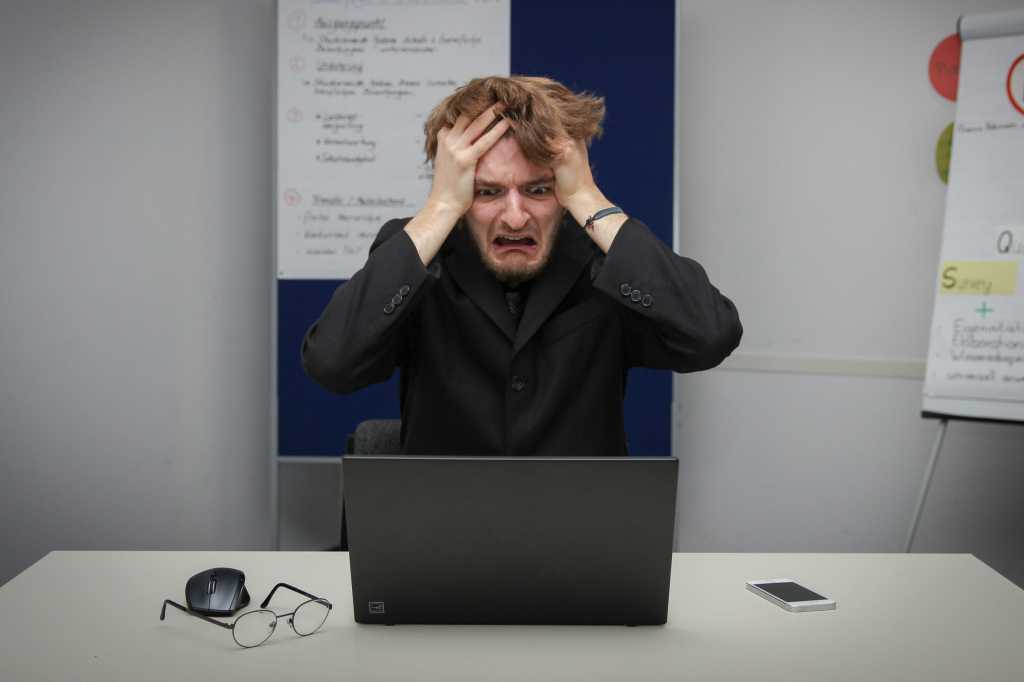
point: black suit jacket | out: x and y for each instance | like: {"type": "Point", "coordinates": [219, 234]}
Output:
{"type": "Point", "coordinates": [474, 384]}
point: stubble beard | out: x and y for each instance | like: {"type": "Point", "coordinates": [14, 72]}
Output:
{"type": "Point", "coordinates": [513, 275]}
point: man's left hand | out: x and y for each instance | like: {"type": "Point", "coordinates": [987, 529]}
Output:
{"type": "Point", "coordinates": [573, 179]}
{"type": "Point", "coordinates": [576, 190]}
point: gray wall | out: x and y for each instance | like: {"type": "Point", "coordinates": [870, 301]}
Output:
{"type": "Point", "coordinates": [807, 188]}
{"type": "Point", "coordinates": [135, 266]}
{"type": "Point", "coordinates": [135, 205]}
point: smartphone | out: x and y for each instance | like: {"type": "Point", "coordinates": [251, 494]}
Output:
{"type": "Point", "coordinates": [790, 595]}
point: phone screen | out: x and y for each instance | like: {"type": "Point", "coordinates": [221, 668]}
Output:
{"type": "Point", "coordinates": [789, 592]}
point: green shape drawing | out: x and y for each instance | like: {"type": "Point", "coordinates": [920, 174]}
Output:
{"type": "Point", "coordinates": [943, 150]}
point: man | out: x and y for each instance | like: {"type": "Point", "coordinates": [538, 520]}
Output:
{"type": "Point", "coordinates": [516, 300]}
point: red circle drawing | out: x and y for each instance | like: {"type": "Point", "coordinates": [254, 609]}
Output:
{"type": "Point", "coordinates": [1015, 90]}
{"type": "Point", "coordinates": [944, 66]}
{"type": "Point", "coordinates": [292, 198]}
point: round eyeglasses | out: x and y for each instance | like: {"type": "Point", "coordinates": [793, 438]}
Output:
{"type": "Point", "coordinates": [255, 627]}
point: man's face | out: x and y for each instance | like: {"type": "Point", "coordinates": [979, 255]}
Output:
{"type": "Point", "coordinates": [514, 217]}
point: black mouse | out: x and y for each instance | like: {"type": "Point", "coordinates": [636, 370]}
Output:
{"type": "Point", "coordinates": [217, 591]}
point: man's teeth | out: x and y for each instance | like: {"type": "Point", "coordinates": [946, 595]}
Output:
{"type": "Point", "coordinates": [518, 240]}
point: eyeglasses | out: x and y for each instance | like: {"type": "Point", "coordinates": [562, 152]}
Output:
{"type": "Point", "coordinates": [255, 627]}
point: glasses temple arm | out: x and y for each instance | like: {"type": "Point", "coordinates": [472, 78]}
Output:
{"type": "Point", "coordinates": [163, 610]}
{"type": "Point", "coordinates": [289, 587]}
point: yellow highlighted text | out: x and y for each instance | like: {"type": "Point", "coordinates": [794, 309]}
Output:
{"type": "Point", "coordinates": [978, 277]}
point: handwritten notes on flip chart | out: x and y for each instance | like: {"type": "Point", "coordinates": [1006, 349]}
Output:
{"type": "Point", "coordinates": [355, 82]}
{"type": "Point", "coordinates": [976, 350]}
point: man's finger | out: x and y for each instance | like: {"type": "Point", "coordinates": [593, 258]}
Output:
{"type": "Point", "coordinates": [566, 146]}
{"type": "Point", "coordinates": [460, 125]}
{"type": "Point", "coordinates": [482, 122]}
{"type": "Point", "coordinates": [487, 140]}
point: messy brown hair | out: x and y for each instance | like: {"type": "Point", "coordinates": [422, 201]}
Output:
{"type": "Point", "coordinates": [541, 111]}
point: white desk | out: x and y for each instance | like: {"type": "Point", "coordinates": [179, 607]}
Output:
{"type": "Point", "coordinates": [95, 616]}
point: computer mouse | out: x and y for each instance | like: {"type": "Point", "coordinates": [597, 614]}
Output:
{"type": "Point", "coordinates": [217, 591]}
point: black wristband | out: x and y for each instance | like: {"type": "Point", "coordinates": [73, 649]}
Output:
{"type": "Point", "coordinates": [601, 214]}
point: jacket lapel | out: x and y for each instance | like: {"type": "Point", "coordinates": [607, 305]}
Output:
{"type": "Point", "coordinates": [569, 258]}
{"type": "Point", "coordinates": [479, 285]}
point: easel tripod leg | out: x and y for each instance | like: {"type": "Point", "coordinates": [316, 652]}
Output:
{"type": "Point", "coordinates": [927, 483]}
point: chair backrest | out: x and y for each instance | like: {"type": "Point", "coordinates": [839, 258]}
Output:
{"type": "Point", "coordinates": [378, 437]}
{"type": "Point", "coordinates": [372, 437]}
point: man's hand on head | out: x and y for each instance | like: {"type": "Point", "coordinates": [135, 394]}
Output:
{"type": "Point", "coordinates": [458, 150]}
{"type": "Point", "coordinates": [576, 190]}
{"type": "Point", "coordinates": [573, 179]}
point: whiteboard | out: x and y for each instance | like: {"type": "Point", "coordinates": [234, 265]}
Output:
{"type": "Point", "coordinates": [355, 82]}
{"type": "Point", "coordinates": [976, 348]}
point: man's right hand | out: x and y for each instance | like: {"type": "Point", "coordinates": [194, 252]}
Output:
{"type": "Point", "coordinates": [458, 150]}
{"type": "Point", "coordinates": [451, 195]}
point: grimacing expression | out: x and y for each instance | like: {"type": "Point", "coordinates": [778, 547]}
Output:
{"type": "Point", "coordinates": [514, 217]}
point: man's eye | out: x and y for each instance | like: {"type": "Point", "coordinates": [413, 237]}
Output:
{"type": "Point", "coordinates": [539, 190]}
{"type": "Point", "coordinates": [487, 192]}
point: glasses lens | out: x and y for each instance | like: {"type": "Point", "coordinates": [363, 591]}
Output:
{"type": "Point", "coordinates": [310, 615]}
{"type": "Point", "coordinates": [253, 628]}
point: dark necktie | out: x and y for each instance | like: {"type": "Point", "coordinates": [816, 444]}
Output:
{"type": "Point", "coordinates": [514, 300]}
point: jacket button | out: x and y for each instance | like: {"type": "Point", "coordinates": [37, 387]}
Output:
{"type": "Point", "coordinates": [625, 289]}
{"type": "Point", "coordinates": [518, 383]}
{"type": "Point", "coordinates": [404, 290]}
{"type": "Point", "coordinates": [389, 308]}
{"type": "Point", "coordinates": [635, 296]}
{"type": "Point", "coordinates": [646, 301]}
{"type": "Point", "coordinates": [396, 299]}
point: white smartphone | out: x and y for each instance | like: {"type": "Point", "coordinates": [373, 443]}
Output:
{"type": "Point", "coordinates": [790, 595]}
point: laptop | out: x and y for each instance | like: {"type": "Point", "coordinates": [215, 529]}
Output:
{"type": "Point", "coordinates": [510, 540]}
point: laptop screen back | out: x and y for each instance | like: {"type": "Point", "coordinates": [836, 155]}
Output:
{"type": "Point", "coordinates": [510, 540]}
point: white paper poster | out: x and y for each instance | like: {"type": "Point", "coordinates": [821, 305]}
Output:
{"type": "Point", "coordinates": [976, 351]}
{"type": "Point", "coordinates": [355, 82]}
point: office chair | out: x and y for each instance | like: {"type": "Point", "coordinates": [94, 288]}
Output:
{"type": "Point", "coordinates": [377, 437]}
{"type": "Point", "coordinates": [372, 437]}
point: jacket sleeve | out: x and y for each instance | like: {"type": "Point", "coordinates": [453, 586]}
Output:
{"type": "Point", "coordinates": [673, 317]}
{"type": "Point", "coordinates": [358, 339]}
